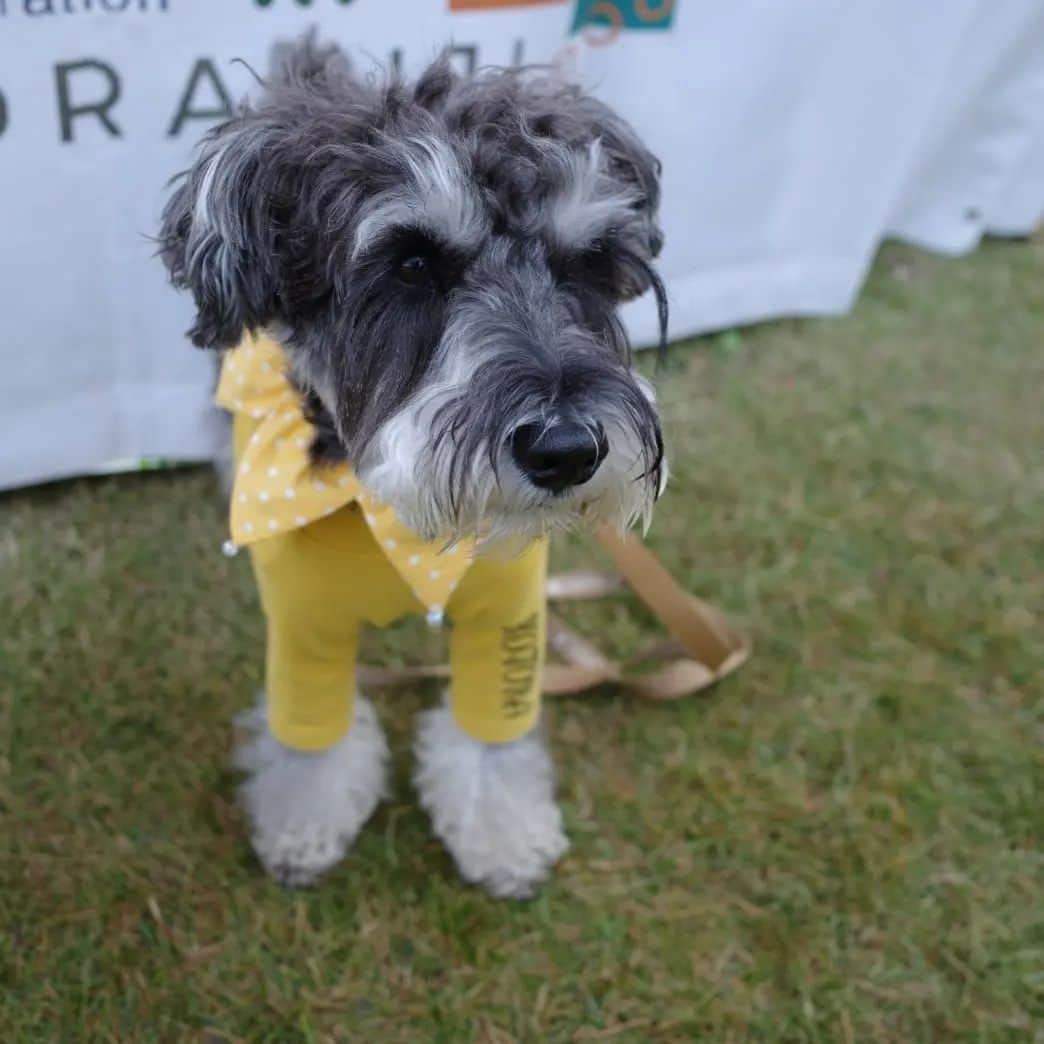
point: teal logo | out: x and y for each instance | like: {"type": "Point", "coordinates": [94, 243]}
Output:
{"type": "Point", "coordinates": [602, 21]}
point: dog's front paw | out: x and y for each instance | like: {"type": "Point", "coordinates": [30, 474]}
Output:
{"type": "Point", "coordinates": [300, 854]}
{"type": "Point", "coordinates": [491, 804]}
{"type": "Point", "coordinates": [305, 807]}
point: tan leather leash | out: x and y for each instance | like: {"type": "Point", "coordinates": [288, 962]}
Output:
{"type": "Point", "coordinates": [703, 646]}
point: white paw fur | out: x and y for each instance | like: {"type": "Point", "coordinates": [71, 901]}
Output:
{"type": "Point", "coordinates": [306, 807]}
{"type": "Point", "coordinates": [492, 805]}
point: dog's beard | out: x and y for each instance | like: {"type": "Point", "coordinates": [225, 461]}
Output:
{"type": "Point", "coordinates": [449, 473]}
{"type": "Point", "coordinates": [427, 395]}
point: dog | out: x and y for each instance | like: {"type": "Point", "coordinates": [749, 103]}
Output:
{"type": "Point", "coordinates": [415, 285]}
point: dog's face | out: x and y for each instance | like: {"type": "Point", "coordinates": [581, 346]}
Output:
{"type": "Point", "coordinates": [443, 263]}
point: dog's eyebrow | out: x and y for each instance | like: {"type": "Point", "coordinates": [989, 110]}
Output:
{"type": "Point", "coordinates": [587, 203]}
{"type": "Point", "coordinates": [437, 196]}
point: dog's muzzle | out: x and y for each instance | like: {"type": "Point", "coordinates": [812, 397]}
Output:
{"type": "Point", "coordinates": [559, 457]}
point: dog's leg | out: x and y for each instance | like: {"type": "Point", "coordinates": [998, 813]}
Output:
{"type": "Point", "coordinates": [306, 807]}
{"type": "Point", "coordinates": [492, 804]}
{"type": "Point", "coordinates": [483, 772]}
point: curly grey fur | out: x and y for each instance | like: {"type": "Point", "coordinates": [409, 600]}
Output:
{"type": "Point", "coordinates": [532, 207]}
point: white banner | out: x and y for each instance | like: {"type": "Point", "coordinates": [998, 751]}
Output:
{"type": "Point", "coordinates": [794, 136]}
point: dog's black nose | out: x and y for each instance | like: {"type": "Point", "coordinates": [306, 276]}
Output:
{"type": "Point", "coordinates": [564, 455]}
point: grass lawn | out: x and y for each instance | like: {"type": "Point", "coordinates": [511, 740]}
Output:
{"type": "Point", "coordinates": [843, 842]}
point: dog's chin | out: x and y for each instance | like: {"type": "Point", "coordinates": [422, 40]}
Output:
{"type": "Point", "coordinates": [511, 511]}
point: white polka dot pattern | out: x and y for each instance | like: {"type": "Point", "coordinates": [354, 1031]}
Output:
{"type": "Point", "coordinates": [253, 382]}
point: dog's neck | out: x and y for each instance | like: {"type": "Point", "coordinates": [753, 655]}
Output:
{"type": "Point", "coordinates": [326, 448]}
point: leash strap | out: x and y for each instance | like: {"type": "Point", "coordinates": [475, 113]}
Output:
{"type": "Point", "coordinates": [702, 649]}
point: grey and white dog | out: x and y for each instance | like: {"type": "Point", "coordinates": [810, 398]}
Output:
{"type": "Point", "coordinates": [442, 262]}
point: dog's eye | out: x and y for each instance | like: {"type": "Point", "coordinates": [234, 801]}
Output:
{"type": "Point", "coordinates": [414, 271]}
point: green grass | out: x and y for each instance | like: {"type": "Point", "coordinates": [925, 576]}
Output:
{"type": "Point", "coordinates": [843, 842]}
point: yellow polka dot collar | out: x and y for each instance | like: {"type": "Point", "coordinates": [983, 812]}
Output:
{"type": "Point", "coordinates": [278, 488]}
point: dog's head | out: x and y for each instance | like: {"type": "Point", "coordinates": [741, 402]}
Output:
{"type": "Point", "coordinates": [442, 262]}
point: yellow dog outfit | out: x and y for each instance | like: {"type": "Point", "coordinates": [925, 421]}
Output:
{"type": "Point", "coordinates": [329, 558]}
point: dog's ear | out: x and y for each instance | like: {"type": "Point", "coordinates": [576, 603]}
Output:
{"type": "Point", "coordinates": [217, 237]}
{"type": "Point", "coordinates": [220, 230]}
